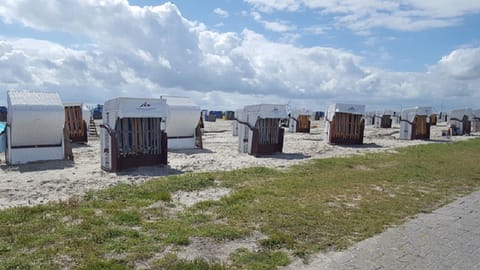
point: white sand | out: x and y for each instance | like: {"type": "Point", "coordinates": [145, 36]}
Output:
{"type": "Point", "coordinates": [41, 182]}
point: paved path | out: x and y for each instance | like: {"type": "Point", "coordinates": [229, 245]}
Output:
{"type": "Point", "coordinates": [448, 238]}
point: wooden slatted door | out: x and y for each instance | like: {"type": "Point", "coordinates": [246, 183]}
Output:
{"type": "Point", "coordinates": [138, 142]}
{"type": "Point", "coordinates": [433, 120]}
{"type": "Point", "coordinates": [303, 123]}
{"type": "Point", "coordinates": [386, 121]}
{"type": "Point", "coordinates": [268, 130]}
{"type": "Point", "coordinates": [346, 128]}
{"type": "Point", "coordinates": [420, 128]}
{"type": "Point", "coordinates": [74, 124]}
{"type": "Point", "coordinates": [267, 137]}
{"type": "Point", "coordinates": [138, 136]}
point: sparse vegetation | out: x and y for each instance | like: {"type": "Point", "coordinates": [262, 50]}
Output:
{"type": "Point", "coordinates": [321, 205]}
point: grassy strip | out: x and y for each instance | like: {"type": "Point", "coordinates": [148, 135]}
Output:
{"type": "Point", "coordinates": [321, 205]}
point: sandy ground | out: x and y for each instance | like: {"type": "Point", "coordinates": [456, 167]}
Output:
{"type": "Point", "coordinates": [41, 182]}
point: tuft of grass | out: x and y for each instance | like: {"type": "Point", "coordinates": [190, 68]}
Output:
{"type": "Point", "coordinates": [277, 241]}
{"type": "Point", "coordinates": [101, 264]}
{"type": "Point", "coordinates": [170, 261]}
{"type": "Point", "coordinates": [243, 258]}
{"type": "Point", "coordinates": [127, 217]}
{"type": "Point", "coordinates": [221, 232]}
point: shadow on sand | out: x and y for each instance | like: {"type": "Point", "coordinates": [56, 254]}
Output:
{"type": "Point", "coordinates": [191, 151]}
{"type": "Point", "coordinates": [39, 166]}
{"type": "Point", "coordinates": [314, 139]}
{"type": "Point", "coordinates": [150, 171]}
{"type": "Point", "coordinates": [80, 145]}
{"type": "Point", "coordinates": [286, 156]}
{"type": "Point", "coordinates": [360, 146]}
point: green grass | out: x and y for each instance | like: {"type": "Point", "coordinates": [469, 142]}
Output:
{"type": "Point", "coordinates": [264, 259]}
{"type": "Point", "coordinates": [170, 261]}
{"type": "Point", "coordinates": [321, 205]}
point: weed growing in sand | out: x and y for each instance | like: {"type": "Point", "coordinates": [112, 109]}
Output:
{"type": "Point", "coordinates": [320, 205]}
{"type": "Point", "coordinates": [171, 261]}
{"type": "Point", "coordinates": [265, 259]}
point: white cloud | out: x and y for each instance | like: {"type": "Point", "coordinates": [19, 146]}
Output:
{"type": "Point", "coordinates": [220, 12]}
{"type": "Point", "coordinates": [461, 64]}
{"type": "Point", "coordinates": [291, 38]}
{"type": "Point", "coordinates": [361, 15]}
{"type": "Point", "coordinates": [150, 51]}
{"type": "Point", "coordinates": [316, 29]}
{"type": "Point", "coordinates": [275, 26]}
{"type": "Point", "coordinates": [272, 5]}
{"type": "Point", "coordinates": [278, 26]}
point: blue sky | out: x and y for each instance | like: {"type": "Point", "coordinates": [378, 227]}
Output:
{"type": "Point", "coordinates": [231, 53]}
{"type": "Point", "coordinates": [407, 50]}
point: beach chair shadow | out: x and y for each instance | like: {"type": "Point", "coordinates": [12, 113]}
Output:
{"type": "Point", "coordinates": [360, 146]}
{"type": "Point", "coordinates": [80, 145]}
{"type": "Point", "coordinates": [191, 151]}
{"type": "Point", "coordinates": [286, 156]}
{"type": "Point", "coordinates": [314, 139]}
{"type": "Point", "coordinates": [150, 171]}
{"type": "Point", "coordinates": [39, 166]}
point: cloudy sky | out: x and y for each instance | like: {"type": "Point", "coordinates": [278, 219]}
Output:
{"type": "Point", "coordinates": [229, 53]}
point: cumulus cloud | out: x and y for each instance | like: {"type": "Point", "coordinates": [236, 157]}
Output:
{"type": "Point", "coordinates": [275, 26]}
{"type": "Point", "coordinates": [461, 64]}
{"type": "Point", "coordinates": [316, 29]}
{"type": "Point", "coordinates": [362, 15]}
{"type": "Point", "coordinates": [269, 5]}
{"type": "Point", "coordinates": [150, 51]}
{"type": "Point", "coordinates": [220, 12]}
